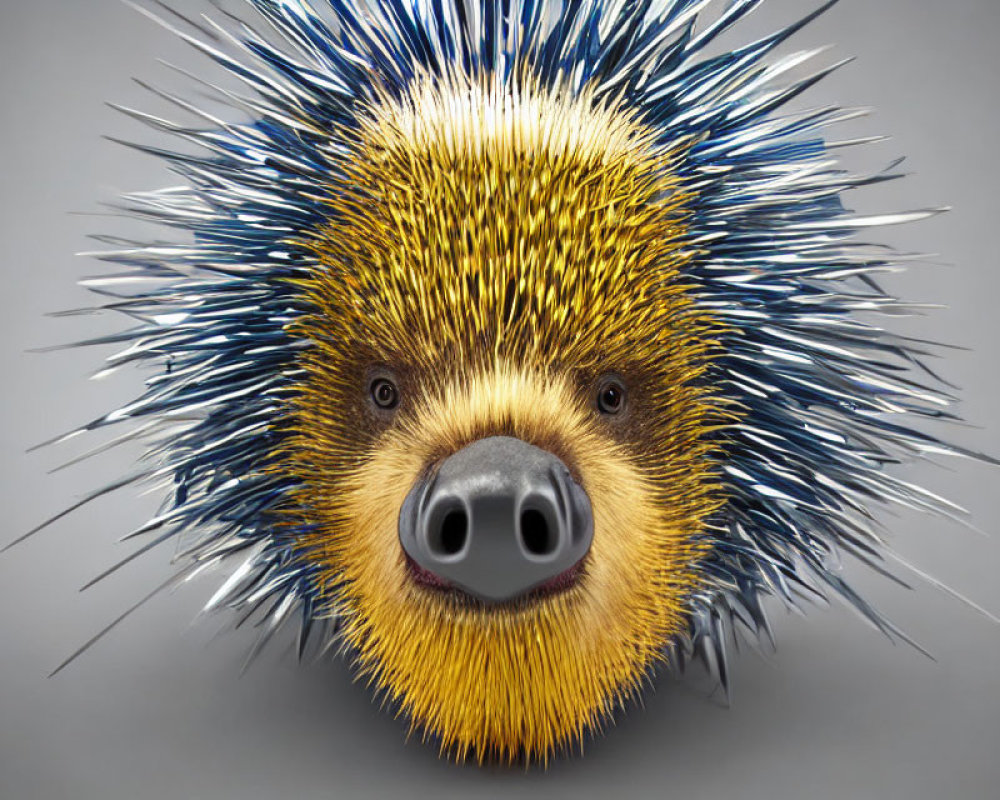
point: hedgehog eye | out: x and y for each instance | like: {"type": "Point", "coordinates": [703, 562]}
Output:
{"type": "Point", "coordinates": [611, 396]}
{"type": "Point", "coordinates": [384, 394]}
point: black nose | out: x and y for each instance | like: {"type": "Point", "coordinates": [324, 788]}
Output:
{"type": "Point", "coordinates": [498, 519]}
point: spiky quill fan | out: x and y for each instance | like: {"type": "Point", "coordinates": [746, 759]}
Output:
{"type": "Point", "coordinates": [497, 203]}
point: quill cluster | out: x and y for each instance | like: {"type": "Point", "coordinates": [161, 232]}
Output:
{"type": "Point", "coordinates": [496, 204]}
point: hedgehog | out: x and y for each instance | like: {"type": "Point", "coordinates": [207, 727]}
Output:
{"type": "Point", "coordinates": [517, 348]}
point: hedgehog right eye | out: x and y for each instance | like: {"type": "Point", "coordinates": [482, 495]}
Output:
{"type": "Point", "coordinates": [384, 394]}
{"type": "Point", "coordinates": [611, 396]}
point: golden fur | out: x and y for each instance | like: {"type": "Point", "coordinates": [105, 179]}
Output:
{"type": "Point", "coordinates": [496, 254]}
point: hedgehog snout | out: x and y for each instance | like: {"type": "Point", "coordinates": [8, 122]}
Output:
{"type": "Point", "coordinates": [497, 520]}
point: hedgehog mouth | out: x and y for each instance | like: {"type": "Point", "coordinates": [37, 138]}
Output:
{"type": "Point", "coordinates": [558, 584]}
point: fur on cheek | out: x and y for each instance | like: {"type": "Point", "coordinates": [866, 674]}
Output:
{"type": "Point", "coordinates": [526, 678]}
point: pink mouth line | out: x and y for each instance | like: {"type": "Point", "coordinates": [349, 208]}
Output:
{"type": "Point", "coordinates": [559, 583]}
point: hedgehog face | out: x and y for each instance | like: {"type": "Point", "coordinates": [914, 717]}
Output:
{"type": "Point", "coordinates": [500, 282]}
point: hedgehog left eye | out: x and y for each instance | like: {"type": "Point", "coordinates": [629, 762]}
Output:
{"type": "Point", "coordinates": [384, 394]}
{"type": "Point", "coordinates": [611, 396]}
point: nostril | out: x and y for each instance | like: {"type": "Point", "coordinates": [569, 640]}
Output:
{"type": "Point", "coordinates": [537, 537]}
{"type": "Point", "coordinates": [452, 534]}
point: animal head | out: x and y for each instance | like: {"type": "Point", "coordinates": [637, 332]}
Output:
{"type": "Point", "coordinates": [515, 349]}
{"type": "Point", "coordinates": [500, 429]}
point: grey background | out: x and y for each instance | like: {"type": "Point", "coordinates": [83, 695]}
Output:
{"type": "Point", "coordinates": [156, 710]}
